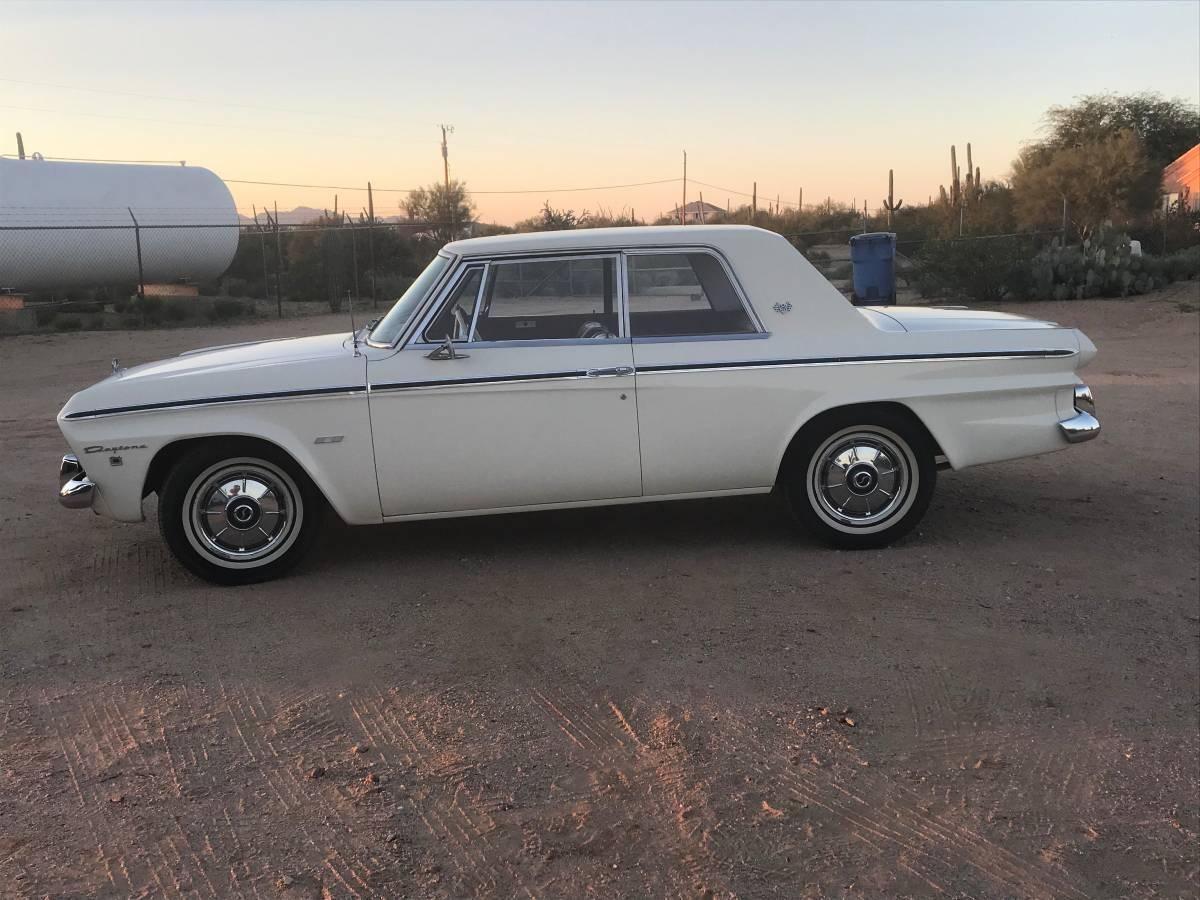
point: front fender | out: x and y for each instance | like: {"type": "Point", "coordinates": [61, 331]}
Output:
{"type": "Point", "coordinates": [117, 451]}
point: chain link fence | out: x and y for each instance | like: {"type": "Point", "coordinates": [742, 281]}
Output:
{"type": "Point", "coordinates": [94, 276]}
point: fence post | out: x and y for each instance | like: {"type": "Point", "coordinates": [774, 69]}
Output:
{"type": "Point", "coordinates": [353, 251]}
{"type": "Point", "coordinates": [137, 236]}
{"type": "Point", "coordinates": [278, 263]}
{"type": "Point", "coordinates": [371, 243]}
{"type": "Point", "coordinates": [262, 242]}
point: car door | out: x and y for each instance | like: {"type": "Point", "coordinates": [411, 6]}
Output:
{"type": "Point", "coordinates": [516, 390]}
{"type": "Point", "coordinates": [706, 425]}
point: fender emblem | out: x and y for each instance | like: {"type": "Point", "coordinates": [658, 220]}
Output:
{"type": "Point", "coordinates": [782, 308]}
{"type": "Point", "coordinates": [100, 448]}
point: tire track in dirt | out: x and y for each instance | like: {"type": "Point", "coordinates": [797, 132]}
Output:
{"type": "Point", "coordinates": [654, 774]}
{"type": "Point", "coordinates": [454, 815]}
{"type": "Point", "coordinates": [250, 727]}
{"type": "Point", "coordinates": [136, 866]}
{"type": "Point", "coordinates": [889, 812]}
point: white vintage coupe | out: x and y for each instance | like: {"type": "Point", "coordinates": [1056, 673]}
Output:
{"type": "Point", "coordinates": [541, 371]}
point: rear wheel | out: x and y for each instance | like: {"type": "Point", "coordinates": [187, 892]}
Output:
{"type": "Point", "coordinates": [238, 512]}
{"type": "Point", "coordinates": [859, 480]}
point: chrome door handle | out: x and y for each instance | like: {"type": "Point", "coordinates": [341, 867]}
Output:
{"type": "Point", "coordinates": [610, 372]}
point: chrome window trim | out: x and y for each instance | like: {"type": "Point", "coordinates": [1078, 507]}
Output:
{"type": "Point", "coordinates": [482, 381]}
{"type": "Point", "coordinates": [716, 254]}
{"type": "Point", "coordinates": [696, 338]}
{"type": "Point", "coordinates": [413, 324]}
{"type": "Point", "coordinates": [419, 342]}
{"type": "Point", "coordinates": [532, 342]}
{"type": "Point", "coordinates": [462, 272]}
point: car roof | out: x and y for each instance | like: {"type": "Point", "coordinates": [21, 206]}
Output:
{"type": "Point", "coordinates": [606, 238]}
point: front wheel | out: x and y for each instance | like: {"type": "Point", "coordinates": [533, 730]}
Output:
{"type": "Point", "coordinates": [859, 481]}
{"type": "Point", "coordinates": [237, 514]}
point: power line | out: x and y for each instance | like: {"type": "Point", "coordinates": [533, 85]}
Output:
{"type": "Point", "coordinates": [92, 90]}
{"type": "Point", "coordinates": [738, 193]}
{"type": "Point", "coordinates": [566, 190]}
{"type": "Point", "coordinates": [90, 115]}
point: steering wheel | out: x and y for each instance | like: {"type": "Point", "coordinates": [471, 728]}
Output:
{"type": "Point", "coordinates": [594, 330]}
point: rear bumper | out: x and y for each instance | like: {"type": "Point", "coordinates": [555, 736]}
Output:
{"type": "Point", "coordinates": [76, 490]}
{"type": "Point", "coordinates": [1083, 426]}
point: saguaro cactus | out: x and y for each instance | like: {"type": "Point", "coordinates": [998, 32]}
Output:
{"type": "Point", "coordinates": [955, 185]}
{"type": "Point", "coordinates": [891, 205]}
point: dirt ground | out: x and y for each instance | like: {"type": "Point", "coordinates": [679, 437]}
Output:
{"type": "Point", "coordinates": [681, 700]}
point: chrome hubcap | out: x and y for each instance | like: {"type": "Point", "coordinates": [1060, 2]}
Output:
{"type": "Point", "coordinates": [861, 479]}
{"type": "Point", "coordinates": [243, 512]}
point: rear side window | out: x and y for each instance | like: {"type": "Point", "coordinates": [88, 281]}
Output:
{"type": "Point", "coordinates": [682, 294]}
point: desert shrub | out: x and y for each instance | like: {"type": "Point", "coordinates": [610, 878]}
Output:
{"type": "Point", "coordinates": [150, 309]}
{"type": "Point", "coordinates": [983, 271]}
{"type": "Point", "coordinates": [177, 309]}
{"type": "Point", "coordinates": [131, 322]}
{"type": "Point", "coordinates": [43, 316]}
{"type": "Point", "coordinates": [235, 287]}
{"type": "Point", "coordinates": [120, 304]}
{"type": "Point", "coordinates": [816, 256]}
{"type": "Point", "coordinates": [390, 288]}
{"type": "Point", "coordinates": [95, 323]}
{"type": "Point", "coordinates": [840, 272]}
{"type": "Point", "coordinates": [224, 309]}
{"type": "Point", "coordinates": [83, 307]}
{"type": "Point", "coordinates": [1182, 264]}
{"type": "Point", "coordinates": [68, 323]}
{"type": "Point", "coordinates": [209, 288]}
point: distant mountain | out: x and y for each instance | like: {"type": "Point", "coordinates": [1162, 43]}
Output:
{"type": "Point", "coordinates": [302, 214]}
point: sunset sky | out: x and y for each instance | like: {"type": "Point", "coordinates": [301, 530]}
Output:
{"type": "Point", "coordinates": [821, 96]}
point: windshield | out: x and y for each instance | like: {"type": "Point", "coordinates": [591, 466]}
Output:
{"type": "Point", "coordinates": [393, 323]}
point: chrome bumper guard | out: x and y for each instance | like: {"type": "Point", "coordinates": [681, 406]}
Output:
{"type": "Point", "coordinates": [1083, 426]}
{"type": "Point", "coordinates": [76, 490]}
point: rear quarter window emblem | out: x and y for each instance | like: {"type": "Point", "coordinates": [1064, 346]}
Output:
{"type": "Point", "coordinates": [781, 308]}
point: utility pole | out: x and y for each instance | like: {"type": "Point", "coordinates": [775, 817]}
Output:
{"type": "Point", "coordinates": [800, 201]}
{"type": "Point", "coordinates": [754, 204]}
{"type": "Point", "coordinates": [683, 205]}
{"type": "Point", "coordinates": [703, 216]}
{"type": "Point", "coordinates": [20, 147]}
{"type": "Point", "coordinates": [447, 129]}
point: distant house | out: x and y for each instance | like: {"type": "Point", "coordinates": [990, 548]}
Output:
{"type": "Point", "coordinates": [1181, 180]}
{"type": "Point", "coordinates": [696, 213]}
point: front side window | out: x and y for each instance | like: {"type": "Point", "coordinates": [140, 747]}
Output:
{"type": "Point", "coordinates": [683, 294]}
{"type": "Point", "coordinates": [549, 299]}
{"type": "Point", "coordinates": [454, 321]}
{"type": "Point", "coordinates": [390, 326]}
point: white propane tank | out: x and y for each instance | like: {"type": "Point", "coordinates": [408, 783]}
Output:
{"type": "Point", "coordinates": [46, 207]}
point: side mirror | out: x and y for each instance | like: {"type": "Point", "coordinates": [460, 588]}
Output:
{"type": "Point", "coordinates": [446, 351]}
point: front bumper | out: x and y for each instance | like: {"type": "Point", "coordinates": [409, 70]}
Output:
{"type": "Point", "coordinates": [76, 490]}
{"type": "Point", "coordinates": [1083, 426]}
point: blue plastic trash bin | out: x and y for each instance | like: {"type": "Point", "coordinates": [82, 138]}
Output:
{"type": "Point", "coordinates": [873, 257]}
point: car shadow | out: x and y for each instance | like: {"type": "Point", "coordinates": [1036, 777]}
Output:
{"type": "Point", "coordinates": [753, 521]}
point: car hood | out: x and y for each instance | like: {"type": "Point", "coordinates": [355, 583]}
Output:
{"type": "Point", "coordinates": [243, 370]}
{"type": "Point", "coordinates": [940, 318]}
